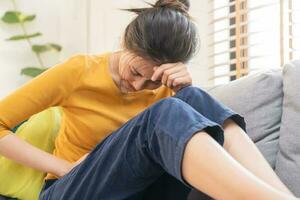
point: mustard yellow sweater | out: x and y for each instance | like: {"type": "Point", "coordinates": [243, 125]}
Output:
{"type": "Point", "coordinates": [92, 105]}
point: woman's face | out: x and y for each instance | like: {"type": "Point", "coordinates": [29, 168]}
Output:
{"type": "Point", "coordinates": [136, 72]}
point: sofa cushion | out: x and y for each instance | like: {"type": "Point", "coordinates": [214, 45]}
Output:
{"type": "Point", "coordinates": [258, 98]}
{"type": "Point", "coordinates": [288, 158]}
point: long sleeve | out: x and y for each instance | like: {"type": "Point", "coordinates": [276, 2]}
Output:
{"type": "Point", "coordinates": [50, 88]}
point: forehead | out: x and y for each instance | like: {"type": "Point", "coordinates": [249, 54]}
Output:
{"type": "Point", "coordinates": [142, 65]}
{"type": "Point", "coordinates": [140, 60]}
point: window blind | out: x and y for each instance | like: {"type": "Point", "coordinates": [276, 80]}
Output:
{"type": "Point", "coordinates": [251, 35]}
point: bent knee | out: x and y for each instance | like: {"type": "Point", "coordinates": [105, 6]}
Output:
{"type": "Point", "coordinates": [189, 90]}
{"type": "Point", "coordinates": [171, 102]}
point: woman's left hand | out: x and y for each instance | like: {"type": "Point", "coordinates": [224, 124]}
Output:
{"type": "Point", "coordinates": [172, 75]}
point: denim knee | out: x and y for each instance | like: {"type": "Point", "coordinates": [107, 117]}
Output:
{"type": "Point", "coordinates": [165, 113]}
{"type": "Point", "coordinates": [169, 109]}
{"type": "Point", "coordinates": [188, 90]}
{"type": "Point", "coordinates": [191, 92]}
{"type": "Point", "coordinates": [172, 116]}
{"type": "Point", "coordinates": [169, 103]}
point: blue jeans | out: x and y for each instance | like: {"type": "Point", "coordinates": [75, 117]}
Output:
{"type": "Point", "coordinates": [142, 150]}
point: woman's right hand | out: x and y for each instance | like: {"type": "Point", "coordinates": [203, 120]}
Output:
{"type": "Point", "coordinates": [14, 148]}
{"type": "Point", "coordinates": [67, 167]}
{"type": "Point", "coordinates": [173, 75]}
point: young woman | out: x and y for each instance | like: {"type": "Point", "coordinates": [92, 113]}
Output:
{"type": "Point", "coordinates": [131, 116]}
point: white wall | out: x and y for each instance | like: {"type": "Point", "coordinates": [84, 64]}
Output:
{"type": "Point", "coordinates": [16, 55]}
{"type": "Point", "coordinates": [69, 24]}
{"type": "Point", "coordinates": [199, 65]}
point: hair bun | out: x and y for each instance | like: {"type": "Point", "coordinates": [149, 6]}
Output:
{"type": "Point", "coordinates": [180, 5]}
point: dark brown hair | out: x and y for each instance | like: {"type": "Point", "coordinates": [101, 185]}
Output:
{"type": "Point", "coordinates": [164, 32]}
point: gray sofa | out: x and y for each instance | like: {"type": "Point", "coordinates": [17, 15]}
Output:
{"type": "Point", "coordinates": [270, 103]}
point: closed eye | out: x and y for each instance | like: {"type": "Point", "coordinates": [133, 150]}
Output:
{"type": "Point", "coordinates": [135, 73]}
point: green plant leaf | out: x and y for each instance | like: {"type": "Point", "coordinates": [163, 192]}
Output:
{"type": "Point", "coordinates": [28, 18]}
{"type": "Point", "coordinates": [56, 47]}
{"type": "Point", "coordinates": [12, 17]}
{"type": "Point", "coordinates": [46, 47]}
{"type": "Point", "coordinates": [32, 71]}
{"type": "Point", "coordinates": [23, 37]}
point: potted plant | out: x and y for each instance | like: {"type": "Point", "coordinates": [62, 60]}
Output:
{"type": "Point", "coordinates": [16, 17]}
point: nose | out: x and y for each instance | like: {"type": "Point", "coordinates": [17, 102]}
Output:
{"type": "Point", "coordinates": [139, 84]}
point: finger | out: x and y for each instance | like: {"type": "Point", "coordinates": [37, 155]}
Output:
{"type": "Point", "coordinates": [182, 81]}
{"type": "Point", "coordinates": [167, 73]}
{"type": "Point", "coordinates": [175, 76]}
{"type": "Point", "coordinates": [159, 71]}
{"type": "Point", "coordinates": [177, 88]}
